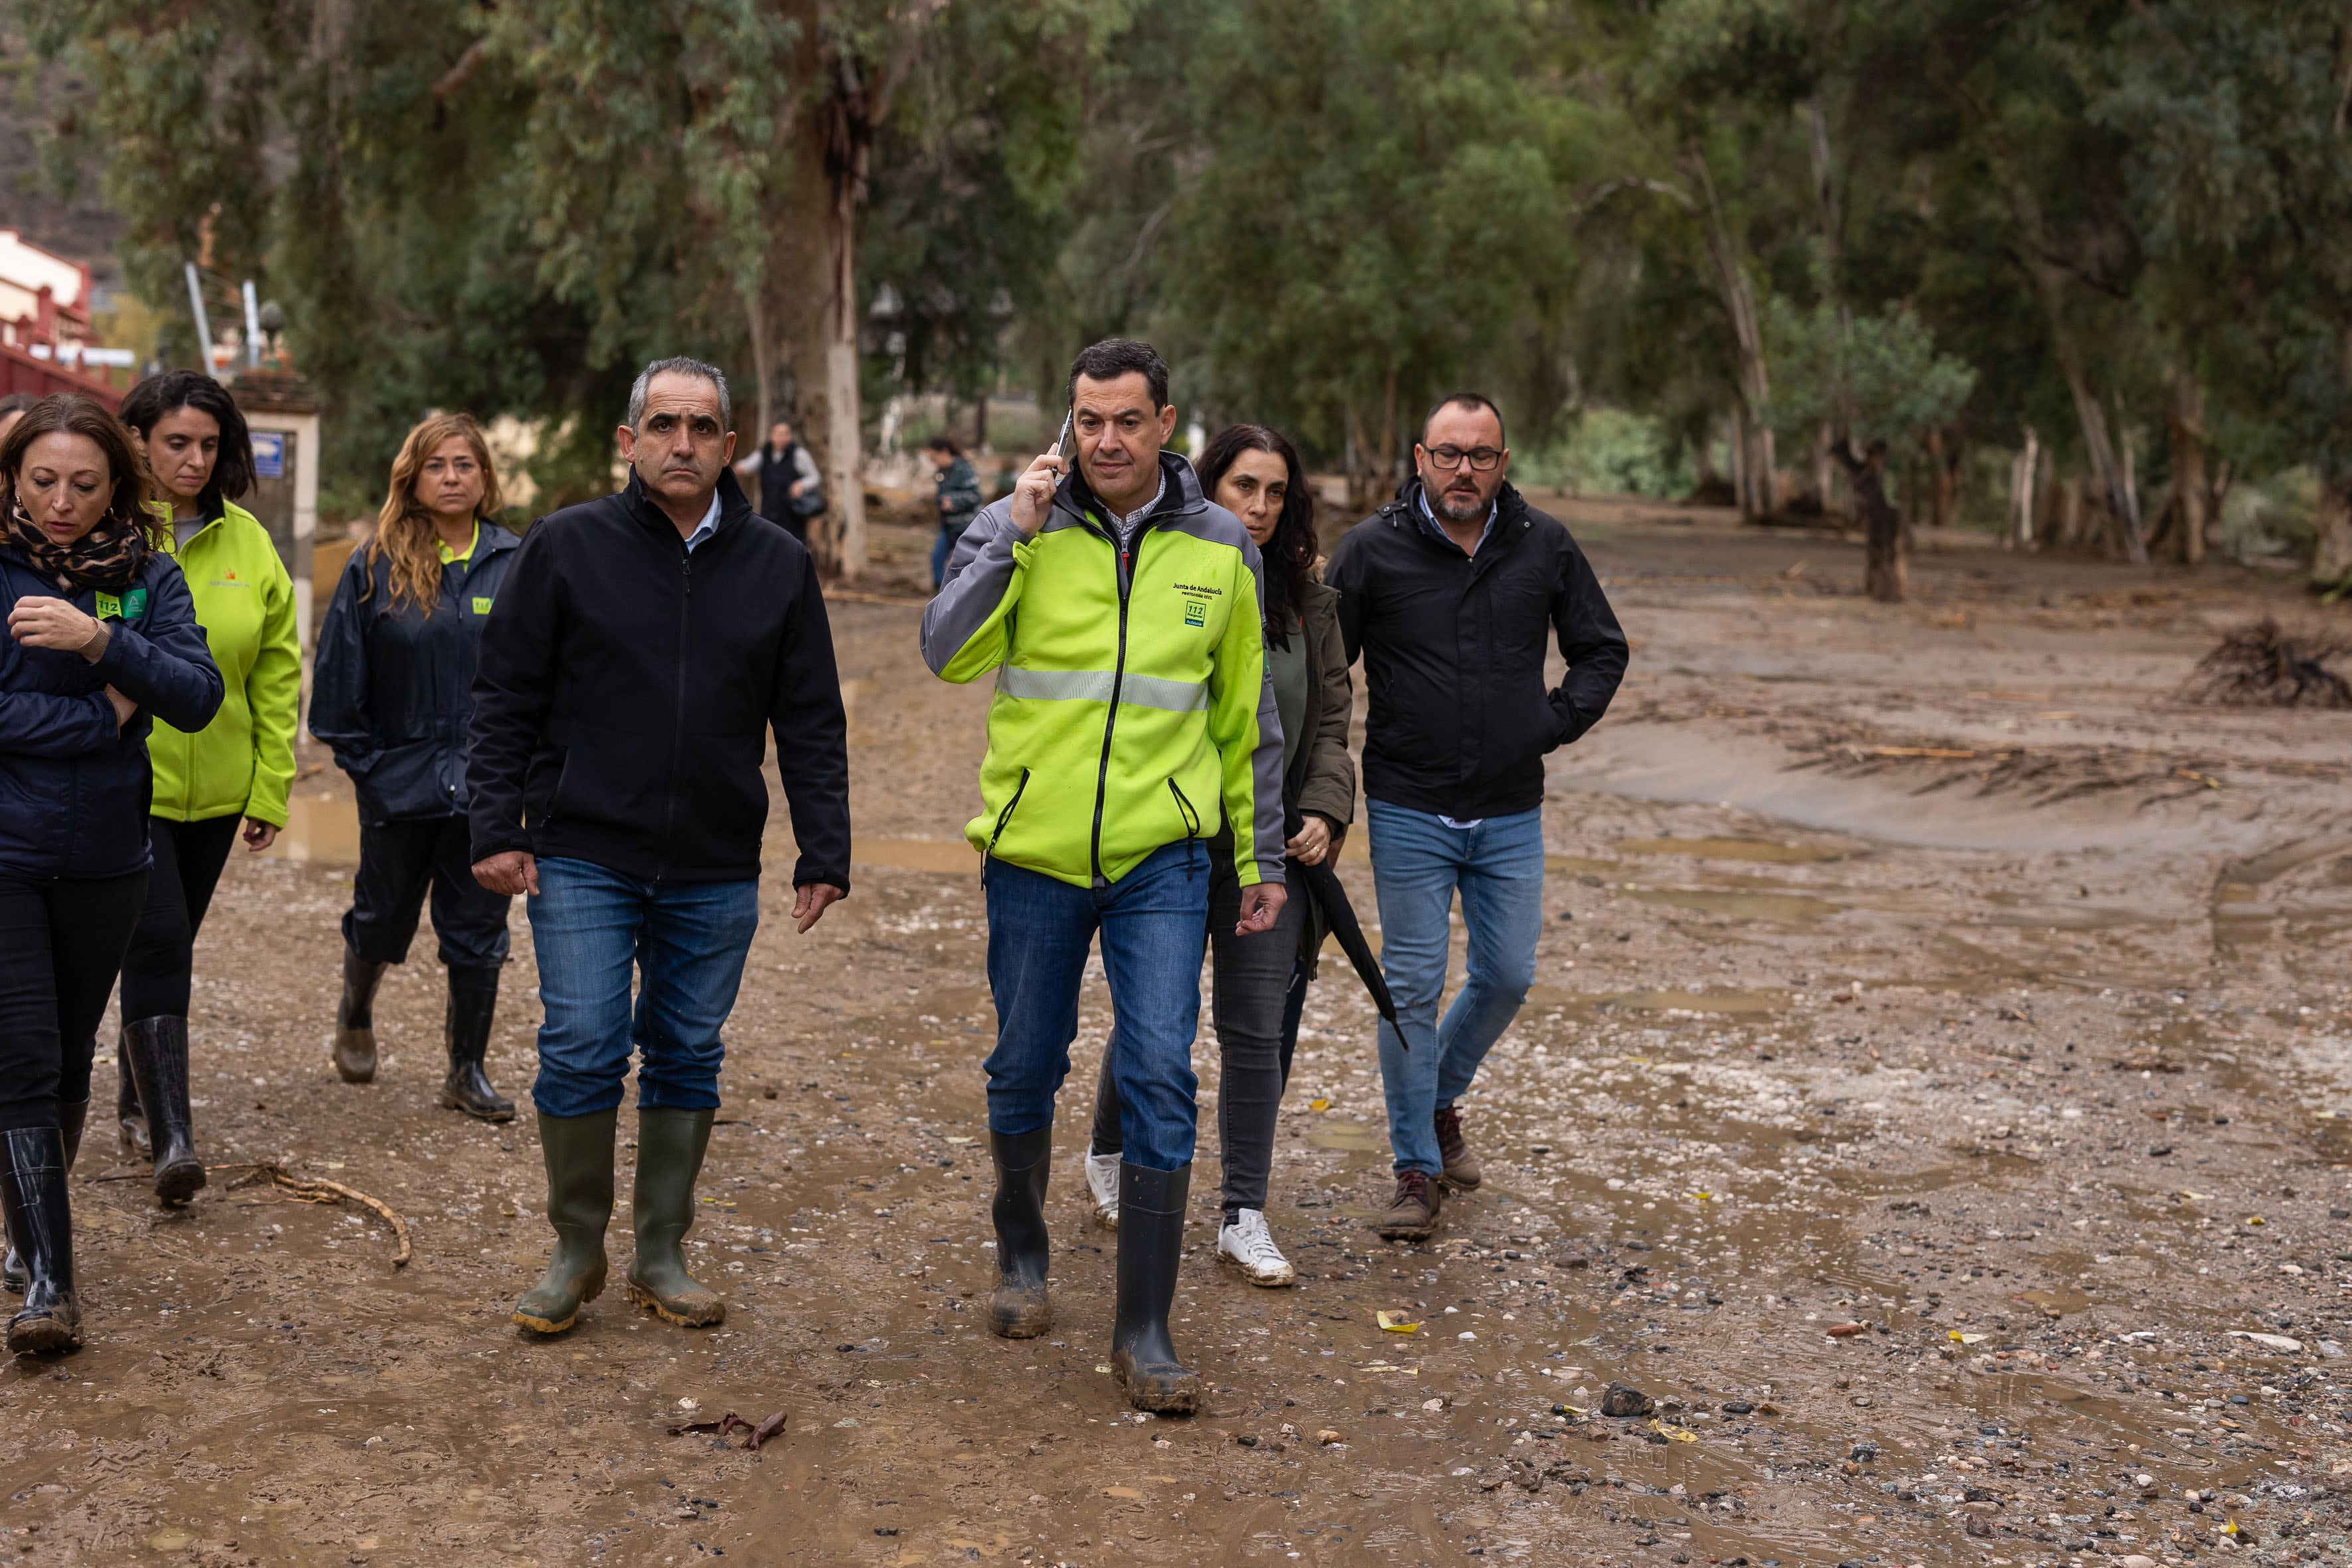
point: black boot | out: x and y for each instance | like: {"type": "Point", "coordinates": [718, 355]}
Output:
{"type": "Point", "coordinates": [129, 1121]}
{"type": "Point", "coordinates": [74, 1117]}
{"type": "Point", "coordinates": [473, 1002]}
{"type": "Point", "coordinates": [1019, 1310]}
{"type": "Point", "coordinates": [355, 1018]}
{"type": "Point", "coordinates": [33, 1196]}
{"type": "Point", "coordinates": [1151, 1244]}
{"type": "Point", "coordinates": [157, 1049]}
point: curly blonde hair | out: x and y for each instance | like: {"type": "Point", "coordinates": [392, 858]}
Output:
{"type": "Point", "coordinates": [403, 527]}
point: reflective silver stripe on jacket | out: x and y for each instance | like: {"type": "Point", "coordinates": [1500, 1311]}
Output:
{"type": "Point", "coordinates": [1095, 686]}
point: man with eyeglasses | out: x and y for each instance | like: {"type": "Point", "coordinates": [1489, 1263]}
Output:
{"type": "Point", "coordinates": [646, 645]}
{"type": "Point", "coordinates": [1449, 594]}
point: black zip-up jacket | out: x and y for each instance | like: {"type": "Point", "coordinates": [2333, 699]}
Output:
{"type": "Point", "coordinates": [626, 688]}
{"type": "Point", "coordinates": [394, 686]}
{"type": "Point", "coordinates": [1454, 650]}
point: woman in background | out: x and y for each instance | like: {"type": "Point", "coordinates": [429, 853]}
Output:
{"type": "Point", "coordinates": [1261, 980]}
{"type": "Point", "coordinates": [392, 696]}
{"type": "Point", "coordinates": [959, 500]}
{"type": "Point", "coordinates": [238, 767]}
{"type": "Point", "coordinates": [101, 637]}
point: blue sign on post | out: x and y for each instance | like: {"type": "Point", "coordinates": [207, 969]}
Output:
{"type": "Point", "coordinates": [270, 453]}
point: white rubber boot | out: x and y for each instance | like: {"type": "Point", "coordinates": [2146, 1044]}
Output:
{"type": "Point", "coordinates": [1102, 1181]}
{"type": "Point", "coordinates": [1249, 1247]}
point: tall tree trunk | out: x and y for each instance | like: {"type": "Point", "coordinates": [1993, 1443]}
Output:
{"type": "Point", "coordinates": [2192, 492]}
{"type": "Point", "coordinates": [1759, 492]}
{"type": "Point", "coordinates": [1388, 431]}
{"type": "Point", "coordinates": [2021, 491]}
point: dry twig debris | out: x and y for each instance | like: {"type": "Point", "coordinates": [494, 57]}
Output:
{"type": "Point", "coordinates": [319, 1190]}
{"type": "Point", "coordinates": [2263, 665]}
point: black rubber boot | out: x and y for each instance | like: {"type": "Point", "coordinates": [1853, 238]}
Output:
{"type": "Point", "coordinates": [1150, 1245]}
{"type": "Point", "coordinates": [670, 1146]}
{"type": "Point", "coordinates": [157, 1049]}
{"type": "Point", "coordinates": [129, 1121]}
{"type": "Point", "coordinates": [74, 1117]}
{"type": "Point", "coordinates": [473, 1002]}
{"type": "Point", "coordinates": [355, 1018]}
{"type": "Point", "coordinates": [33, 1196]}
{"type": "Point", "coordinates": [1019, 1309]}
{"type": "Point", "coordinates": [578, 1151]}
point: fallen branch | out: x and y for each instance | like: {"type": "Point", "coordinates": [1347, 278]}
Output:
{"type": "Point", "coordinates": [760, 1434]}
{"type": "Point", "coordinates": [1948, 753]}
{"type": "Point", "coordinates": [320, 1190]}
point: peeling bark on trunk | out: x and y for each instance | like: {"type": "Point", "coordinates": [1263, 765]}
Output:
{"type": "Point", "coordinates": [2022, 491]}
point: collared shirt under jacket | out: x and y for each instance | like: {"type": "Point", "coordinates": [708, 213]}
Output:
{"type": "Point", "coordinates": [1132, 706]}
{"type": "Point", "coordinates": [73, 789]}
{"type": "Point", "coordinates": [627, 687]}
{"type": "Point", "coordinates": [394, 686]}
{"type": "Point", "coordinates": [1454, 646]}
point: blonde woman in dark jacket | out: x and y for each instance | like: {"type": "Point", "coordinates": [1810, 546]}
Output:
{"type": "Point", "coordinates": [1261, 980]}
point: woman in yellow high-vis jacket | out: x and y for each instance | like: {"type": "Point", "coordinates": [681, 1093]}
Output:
{"type": "Point", "coordinates": [239, 766]}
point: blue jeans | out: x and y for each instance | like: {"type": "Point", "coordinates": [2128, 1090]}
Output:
{"type": "Point", "coordinates": [1417, 864]}
{"type": "Point", "coordinates": [941, 547]}
{"type": "Point", "coordinates": [1153, 922]}
{"type": "Point", "coordinates": [592, 926]}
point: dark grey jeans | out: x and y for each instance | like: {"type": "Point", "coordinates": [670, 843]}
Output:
{"type": "Point", "coordinates": [1253, 977]}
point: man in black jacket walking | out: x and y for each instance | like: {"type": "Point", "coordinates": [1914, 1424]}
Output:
{"type": "Point", "coordinates": [643, 646]}
{"type": "Point", "coordinates": [1449, 594]}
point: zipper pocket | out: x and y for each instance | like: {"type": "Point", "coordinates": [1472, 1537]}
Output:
{"type": "Point", "coordinates": [1184, 808]}
{"type": "Point", "coordinates": [1006, 814]}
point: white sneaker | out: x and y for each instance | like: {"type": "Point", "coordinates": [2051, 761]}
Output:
{"type": "Point", "coordinates": [1102, 1179]}
{"type": "Point", "coordinates": [1249, 1247]}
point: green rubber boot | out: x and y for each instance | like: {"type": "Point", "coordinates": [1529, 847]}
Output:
{"type": "Point", "coordinates": [578, 1154]}
{"type": "Point", "coordinates": [670, 1145]}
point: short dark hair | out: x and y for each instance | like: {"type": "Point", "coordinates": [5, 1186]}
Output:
{"type": "Point", "coordinates": [943, 442]}
{"type": "Point", "coordinates": [1114, 357]}
{"type": "Point", "coordinates": [167, 392]}
{"type": "Point", "coordinates": [1465, 400]}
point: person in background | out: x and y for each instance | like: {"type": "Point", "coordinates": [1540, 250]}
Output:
{"type": "Point", "coordinates": [1116, 607]}
{"type": "Point", "coordinates": [959, 498]}
{"type": "Point", "coordinates": [650, 643]}
{"type": "Point", "coordinates": [391, 697]}
{"type": "Point", "coordinates": [13, 408]}
{"type": "Point", "coordinates": [237, 768]}
{"type": "Point", "coordinates": [1261, 982]}
{"type": "Point", "coordinates": [790, 490]}
{"type": "Point", "coordinates": [1449, 594]}
{"type": "Point", "coordinates": [101, 639]}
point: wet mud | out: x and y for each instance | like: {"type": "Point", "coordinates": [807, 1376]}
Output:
{"type": "Point", "coordinates": [1917, 1154]}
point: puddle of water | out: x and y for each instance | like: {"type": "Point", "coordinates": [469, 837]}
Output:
{"type": "Point", "coordinates": [2075, 916]}
{"type": "Point", "coordinates": [1348, 1137]}
{"type": "Point", "coordinates": [1731, 849]}
{"type": "Point", "coordinates": [1784, 908]}
{"type": "Point", "coordinates": [322, 830]}
{"type": "Point", "coordinates": [1579, 865]}
{"type": "Point", "coordinates": [1735, 1002]}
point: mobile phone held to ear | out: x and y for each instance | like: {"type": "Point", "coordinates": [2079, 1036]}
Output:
{"type": "Point", "coordinates": [1062, 441]}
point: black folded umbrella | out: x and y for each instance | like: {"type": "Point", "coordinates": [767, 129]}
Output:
{"type": "Point", "coordinates": [1340, 916]}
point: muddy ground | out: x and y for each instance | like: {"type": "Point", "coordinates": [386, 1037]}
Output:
{"type": "Point", "coordinates": [1915, 1130]}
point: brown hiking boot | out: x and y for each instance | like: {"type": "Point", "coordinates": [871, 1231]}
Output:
{"type": "Point", "coordinates": [1412, 1214]}
{"type": "Point", "coordinates": [1460, 1166]}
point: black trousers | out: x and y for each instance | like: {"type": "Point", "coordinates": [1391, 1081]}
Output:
{"type": "Point", "coordinates": [188, 860]}
{"type": "Point", "coordinates": [398, 861]}
{"type": "Point", "coordinates": [62, 945]}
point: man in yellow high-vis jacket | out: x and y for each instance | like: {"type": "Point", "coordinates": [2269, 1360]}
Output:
{"type": "Point", "coordinates": [1133, 754]}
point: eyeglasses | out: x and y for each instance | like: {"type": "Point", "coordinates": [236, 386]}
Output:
{"type": "Point", "coordinates": [1482, 459]}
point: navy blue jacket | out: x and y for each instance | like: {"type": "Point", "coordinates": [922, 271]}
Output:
{"type": "Point", "coordinates": [392, 690]}
{"type": "Point", "coordinates": [74, 790]}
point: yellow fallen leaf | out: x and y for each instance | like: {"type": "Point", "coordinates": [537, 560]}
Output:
{"type": "Point", "coordinates": [2253, 1219]}
{"type": "Point", "coordinates": [1699, 1197]}
{"type": "Point", "coordinates": [1639, 1061]}
{"type": "Point", "coordinates": [1966, 1339]}
{"type": "Point", "coordinates": [1394, 1322]}
{"type": "Point", "coordinates": [2188, 1197]}
{"type": "Point", "coordinates": [1676, 1433]}
{"type": "Point", "coordinates": [1318, 1104]}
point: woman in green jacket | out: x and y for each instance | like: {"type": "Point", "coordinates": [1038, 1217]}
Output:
{"type": "Point", "coordinates": [239, 766]}
{"type": "Point", "coordinates": [1261, 981]}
